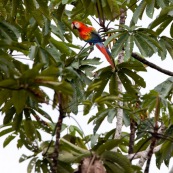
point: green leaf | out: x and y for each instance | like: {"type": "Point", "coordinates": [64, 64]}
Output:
{"type": "Point", "coordinates": [111, 115]}
{"type": "Point", "coordinates": [114, 9]}
{"type": "Point", "coordinates": [161, 3]}
{"type": "Point", "coordinates": [100, 116]}
{"type": "Point", "coordinates": [33, 52]}
{"type": "Point", "coordinates": [163, 25]}
{"type": "Point", "coordinates": [9, 115]}
{"type": "Point", "coordinates": [171, 30]}
{"type": "Point", "coordinates": [31, 165]}
{"type": "Point", "coordinates": [149, 100]}
{"type": "Point", "coordinates": [30, 130]}
{"type": "Point", "coordinates": [8, 140]}
{"type": "Point", "coordinates": [113, 37]}
{"type": "Point", "coordinates": [17, 121]}
{"type": "Point", "coordinates": [31, 73]}
{"type": "Point", "coordinates": [150, 8]}
{"type": "Point", "coordinates": [113, 168]}
{"type": "Point", "coordinates": [165, 153]}
{"type": "Point", "coordinates": [12, 28]}
{"type": "Point", "coordinates": [6, 131]}
{"type": "Point", "coordinates": [107, 146]}
{"type": "Point", "coordinates": [132, 65]}
{"type": "Point", "coordinates": [64, 167]}
{"type": "Point", "coordinates": [42, 113]}
{"type": "Point", "coordinates": [138, 79]}
{"type": "Point", "coordinates": [19, 100]}
{"type": "Point", "coordinates": [113, 85]}
{"type": "Point", "coordinates": [170, 109]}
{"type": "Point", "coordinates": [138, 12]}
{"type": "Point", "coordinates": [61, 46]}
{"type": "Point", "coordinates": [43, 7]}
{"type": "Point", "coordinates": [145, 46]}
{"type": "Point", "coordinates": [8, 83]}
{"type": "Point", "coordinates": [63, 86]}
{"type": "Point", "coordinates": [126, 83]}
{"type": "Point", "coordinates": [99, 84]}
{"type": "Point", "coordinates": [162, 53]}
{"type": "Point", "coordinates": [87, 106]}
{"type": "Point", "coordinates": [168, 44]}
{"type": "Point", "coordinates": [58, 13]}
{"type": "Point", "coordinates": [6, 33]}
{"type": "Point", "coordinates": [59, 29]}
{"type": "Point", "coordinates": [68, 145]}
{"type": "Point", "coordinates": [165, 88]}
{"type": "Point", "coordinates": [94, 139]}
{"type": "Point", "coordinates": [164, 14]}
{"type": "Point", "coordinates": [119, 44]}
{"type": "Point", "coordinates": [118, 159]}
{"type": "Point", "coordinates": [45, 166]}
{"type": "Point", "coordinates": [38, 166]}
{"type": "Point", "coordinates": [152, 41]}
{"type": "Point", "coordinates": [24, 158]}
{"type": "Point", "coordinates": [129, 44]}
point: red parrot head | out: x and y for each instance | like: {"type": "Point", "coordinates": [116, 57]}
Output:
{"type": "Point", "coordinates": [77, 25]}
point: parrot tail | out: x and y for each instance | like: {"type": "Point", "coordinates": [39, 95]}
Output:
{"type": "Point", "coordinates": [106, 53]}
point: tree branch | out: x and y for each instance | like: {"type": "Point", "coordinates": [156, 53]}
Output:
{"type": "Point", "coordinates": [55, 154]}
{"type": "Point", "coordinates": [119, 122]}
{"type": "Point", "coordinates": [150, 64]}
{"type": "Point", "coordinates": [154, 139]}
{"type": "Point", "coordinates": [143, 154]}
{"type": "Point", "coordinates": [132, 135]}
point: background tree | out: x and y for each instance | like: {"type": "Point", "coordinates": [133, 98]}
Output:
{"type": "Point", "coordinates": [40, 31]}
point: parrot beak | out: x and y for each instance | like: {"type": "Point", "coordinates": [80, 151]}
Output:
{"type": "Point", "coordinates": [73, 26]}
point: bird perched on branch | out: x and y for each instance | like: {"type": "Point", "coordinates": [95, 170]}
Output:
{"type": "Point", "coordinates": [91, 36]}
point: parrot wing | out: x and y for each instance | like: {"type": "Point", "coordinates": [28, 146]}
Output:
{"type": "Point", "coordinates": [95, 37]}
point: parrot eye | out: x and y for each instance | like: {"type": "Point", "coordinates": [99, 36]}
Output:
{"type": "Point", "coordinates": [76, 25]}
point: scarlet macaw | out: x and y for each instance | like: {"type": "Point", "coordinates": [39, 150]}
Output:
{"type": "Point", "coordinates": [91, 36]}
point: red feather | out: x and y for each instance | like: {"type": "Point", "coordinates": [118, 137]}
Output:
{"type": "Point", "coordinates": [106, 53]}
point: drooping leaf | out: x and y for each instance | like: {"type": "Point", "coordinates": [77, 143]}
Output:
{"type": "Point", "coordinates": [113, 85]}
{"type": "Point", "coordinates": [118, 159]}
{"type": "Point", "coordinates": [31, 164]}
{"type": "Point", "coordinates": [138, 12]}
{"type": "Point", "coordinates": [17, 121]}
{"type": "Point", "coordinates": [30, 129]}
{"type": "Point", "coordinates": [19, 100]}
{"type": "Point", "coordinates": [126, 82]}
{"type": "Point", "coordinates": [150, 8]}
{"type": "Point", "coordinates": [9, 115]}
{"type": "Point", "coordinates": [137, 79]}
{"type": "Point", "coordinates": [8, 140]}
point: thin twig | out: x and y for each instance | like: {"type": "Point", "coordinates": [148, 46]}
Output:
{"type": "Point", "coordinates": [125, 10]}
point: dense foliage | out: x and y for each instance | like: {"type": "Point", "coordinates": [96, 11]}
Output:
{"type": "Point", "coordinates": [40, 31]}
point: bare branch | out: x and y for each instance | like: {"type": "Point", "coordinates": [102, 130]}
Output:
{"type": "Point", "coordinates": [143, 155]}
{"type": "Point", "coordinates": [55, 154]}
{"type": "Point", "coordinates": [150, 64]}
